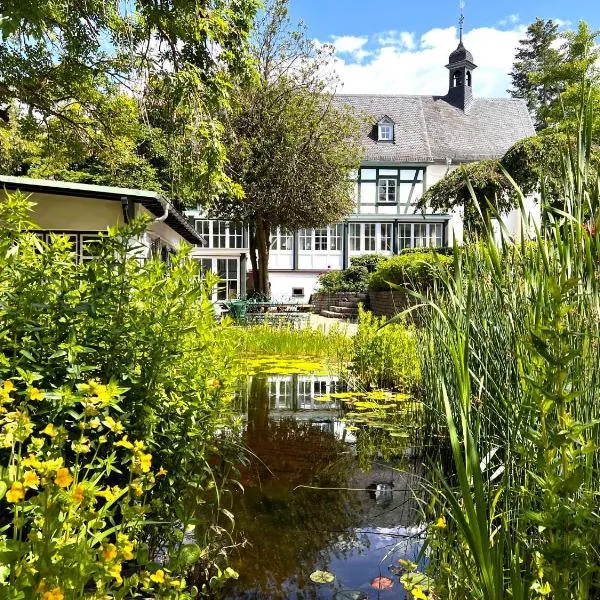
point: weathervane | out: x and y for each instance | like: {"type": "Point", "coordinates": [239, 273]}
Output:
{"type": "Point", "coordinates": [462, 18]}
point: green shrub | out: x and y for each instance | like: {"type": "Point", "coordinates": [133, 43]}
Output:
{"type": "Point", "coordinates": [417, 270]}
{"type": "Point", "coordinates": [370, 261]}
{"type": "Point", "coordinates": [384, 357]}
{"type": "Point", "coordinates": [94, 356]}
{"type": "Point", "coordinates": [352, 279]}
{"type": "Point", "coordinates": [443, 250]}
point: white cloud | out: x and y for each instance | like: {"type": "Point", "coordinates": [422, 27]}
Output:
{"type": "Point", "coordinates": [352, 45]}
{"type": "Point", "coordinates": [397, 63]}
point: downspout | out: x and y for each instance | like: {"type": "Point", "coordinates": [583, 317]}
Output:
{"type": "Point", "coordinates": [165, 206]}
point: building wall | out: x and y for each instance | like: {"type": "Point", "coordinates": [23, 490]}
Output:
{"type": "Point", "coordinates": [282, 284]}
{"type": "Point", "coordinates": [67, 213]}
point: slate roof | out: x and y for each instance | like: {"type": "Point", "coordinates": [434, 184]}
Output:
{"type": "Point", "coordinates": [461, 53]}
{"type": "Point", "coordinates": [428, 129]}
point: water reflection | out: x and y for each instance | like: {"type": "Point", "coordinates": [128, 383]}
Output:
{"type": "Point", "coordinates": [307, 503]}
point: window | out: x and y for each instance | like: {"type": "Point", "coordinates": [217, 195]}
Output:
{"type": "Point", "coordinates": [436, 235]}
{"type": "Point", "coordinates": [354, 237]}
{"type": "Point", "coordinates": [305, 239]}
{"type": "Point", "coordinates": [281, 240]}
{"type": "Point", "coordinates": [227, 270]}
{"type": "Point", "coordinates": [203, 228]}
{"type": "Point", "coordinates": [420, 235]}
{"type": "Point", "coordinates": [321, 239]}
{"type": "Point", "coordinates": [236, 234]}
{"type": "Point", "coordinates": [385, 240]}
{"type": "Point", "coordinates": [88, 247]}
{"type": "Point", "coordinates": [370, 237]}
{"type": "Point", "coordinates": [387, 191]}
{"type": "Point", "coordinates": [404, 236]}
{"type": "Point", "coordinates": [386, 132]}
{"type": "Point", "coordinates": [297, 292]}
{"type": "Point", "coordinates": [335, 239]}
{"type": "Point", "coordinates": [219, 234]}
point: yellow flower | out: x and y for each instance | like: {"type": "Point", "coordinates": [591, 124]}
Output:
{"type": "Point", "coordinates": [53, 594]}
{"type": "Point", "coordinates": [79, 493]}
{"type": "Point", "coordinates": [35, 394]}
{"type": "Point", "coordinates": [440, 523]}
{"type": "Point", "coordinates": [139, 445]}
{"type": "Point", "coordinates": [115, 571]}
{"type": "Point", "coordinates": [16, 493]}
{"type": "Point", "coordinates": [94, 423]}
{"type": "Point", "coordinates": [418, 593]}
{"type": "Point", "coordinates": [125, 443]}
{"type": "Point", "coordinates": [215, 384]}
{"type": "Point", "coordinates": [113, 425]}
{"type": "Point", "coordinates": [110, 495]}
{"type": "Point", "coordinates": [30, 479]}
{"type": "Point", "coordinates": [161, 472]}
{"type": "Point", "coordinates": [136, 486]}
{"type": "Point", "coordinates": [50, 430]}
{"type": "Point", "coordinates": [158, 576]}
{"type": "Point", "coordinates": [8, 386]}
{"type": "Point", "coordinates": [63, 478]}
{"type": "Point", "coordinates": [125, 546]}
{"type": "Point", "coordinates": [31, 461]}
{"type": "Point", "coordinates": [109, 553]}
{"type": "Point", "coordinates": [145, 462]}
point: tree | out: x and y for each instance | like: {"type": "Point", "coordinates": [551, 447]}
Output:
{"type": "Point", "coordinates": [489, 183]}
{"type": "Point", "coordinates": [73, 77]}
{"type": "Point", "coordinates": [576, 76]}
{"type": "Point", "coordinates": [535, 55]}
{"type": "Point", "coordinates": [551, 72]}
{"type": "Point", "coordinates": [292, 147]}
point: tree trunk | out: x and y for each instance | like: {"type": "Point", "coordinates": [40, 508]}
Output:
{"type": "Point", "coordinates": [262, 250]}
{"type": "Point", "coordinates": [253, 257]}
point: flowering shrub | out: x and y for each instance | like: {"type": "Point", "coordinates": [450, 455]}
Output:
{"type": "Point", "coordinates": [66, 527]}
{"type": "Point", "coordinates": [116, 434]}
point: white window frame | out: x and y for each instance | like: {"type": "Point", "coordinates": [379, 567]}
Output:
{"type": "Point", "coordinates": [385, 132]}
{"type": "Point", "coordinates": [419, 232]}
{"type": "Point", "coordinates": [221, 235]}
{"type": "Point", "coordinates": [384, 184]}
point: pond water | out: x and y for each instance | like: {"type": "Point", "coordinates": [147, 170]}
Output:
{"type": "Point", "coordinates": [332, 485]}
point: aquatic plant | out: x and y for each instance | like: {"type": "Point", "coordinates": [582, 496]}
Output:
{"type": "Point", "coordinates": [511, 365]}
{"type": "Point", "coordinates": [384, 357]}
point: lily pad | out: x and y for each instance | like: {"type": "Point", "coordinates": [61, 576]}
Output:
{"type": "Point", "coordinates": [382, 583]}
{"type": "Point", "coordinates": [322, 577]}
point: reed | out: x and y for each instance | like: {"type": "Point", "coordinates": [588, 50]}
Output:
{"type": "Point", "coordinates": [511, 369]}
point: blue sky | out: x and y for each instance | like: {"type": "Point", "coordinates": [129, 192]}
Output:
{"type": "Point", "coordinates": [400, 46]}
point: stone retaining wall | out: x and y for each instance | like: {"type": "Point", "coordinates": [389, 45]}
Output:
{"type": "Point", "coordinates": [322, 302]}
{"type": "Point", "coordinates": [388, 304]}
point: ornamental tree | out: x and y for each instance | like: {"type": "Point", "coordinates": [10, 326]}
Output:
{"type": "Point", "coordinates": [291, 147]}
{"type": "Point", "coordinates": [489, 183]}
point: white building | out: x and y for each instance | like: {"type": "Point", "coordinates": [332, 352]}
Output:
{"type": "Point", "coordinates": [410, 143]}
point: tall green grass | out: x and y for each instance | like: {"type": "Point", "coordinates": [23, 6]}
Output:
{"type": "Point", "coordinates": [264, 339]}
{"type": "Point", "coordinates": [511, 368]}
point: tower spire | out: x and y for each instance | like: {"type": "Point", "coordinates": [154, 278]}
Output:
{"type": "Point", "coordinates": [461, 20]}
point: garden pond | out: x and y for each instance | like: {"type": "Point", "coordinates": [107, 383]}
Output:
{"type": "Point", "coordinates": [331, 489]}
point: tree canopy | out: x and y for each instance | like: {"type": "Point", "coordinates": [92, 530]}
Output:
{"type": "Point", "coordinates": [292, 146]}
{"type": "Point", "coordinates": [553, 70]}
{"type": "Point", "coordinates": [78, 90]}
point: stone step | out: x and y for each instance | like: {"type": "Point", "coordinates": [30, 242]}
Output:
{"type": "Point", "coordinates": [350, 303]}
{"type": "Point", "coordinates": [337, 315]}
{"type": "Point", "coordinates": [346, 310]}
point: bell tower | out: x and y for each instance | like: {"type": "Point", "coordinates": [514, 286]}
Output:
{"type": "Point", "coordinates": [460, 66]}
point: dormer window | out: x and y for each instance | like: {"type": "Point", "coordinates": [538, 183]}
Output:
{"type": "Point", "coordinates": [385, 130]}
